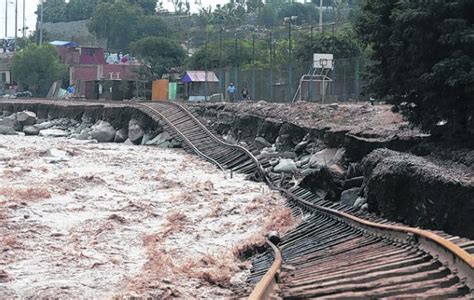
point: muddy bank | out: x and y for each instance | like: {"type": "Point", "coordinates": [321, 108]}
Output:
{"type": "Point", "coordinates": [329, 150]}
{"type": "Point", "coordinates": [419, 192]}
{"type": "Point", "coordinates": [112, 220]}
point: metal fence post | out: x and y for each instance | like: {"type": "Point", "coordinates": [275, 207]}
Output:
{"type": "Point", "coordinates": [356, 79]}
{"type": "Point", "coordinates": [253, 67]}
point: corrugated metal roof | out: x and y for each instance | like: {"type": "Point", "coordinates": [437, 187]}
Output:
{"type": "Point", "coordinates": [64, 44]}
{"type": "Point", "coordinates": [200, 76]}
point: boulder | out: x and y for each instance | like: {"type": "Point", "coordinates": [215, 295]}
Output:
{"type": "Point", "coordinates": [53, 133]}
{"type": "Point", "coordinates": [349, 197]}
{"type": "Point", "coordinates": [285, 166]}
{"type": "Point", "coordinates": [353, 182]}
{"type": "Point", "coordinates": [359, 202]}
{"type": "Point", "coordinates": [261, 142]}
{"type": "Point", "coordinates": [301, 146]}
{"type": "Point", "coordinates": [174, 144]}
{"type": "Point", "coordinates": [121, 136]}
{"type": "Point", "coordinates": [128, 142]}
{"type": "Point", "coordinates": [135, 132]}
{"type": "Point", "coordinates": [54, 155]}
{"type": "Point", "coordinates": [85, 134]}
{"type": "Point", "coordinates": [323, 158]}
{"type": "Point", "coordinates": [11, 122]}
{"type": "Point", "coordinates": [26, 117]}
{"type": "Point", "coordinates": [230, 138]}
{"type": "Point", "coordinates": [31, 130]}
{"type": "Point", "coordinates": [5, 130]}
{"type": "Point", "coordinates": [44, 125]}
{"type": "Point", "coordinates": [160, 139]}
{"type": "Point", "coordinates": [103, 132]}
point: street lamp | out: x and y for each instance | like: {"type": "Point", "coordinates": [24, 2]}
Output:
{"type": "Point", "coordinates": [289, 21]}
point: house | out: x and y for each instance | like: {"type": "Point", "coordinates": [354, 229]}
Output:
{"type": "Point", "coordinates": [92, 76]}
{"type": "Point", "coordinates": [199, 85]}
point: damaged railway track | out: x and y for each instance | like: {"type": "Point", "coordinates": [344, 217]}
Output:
{"type": "Point", "coordinates": [336, 251]}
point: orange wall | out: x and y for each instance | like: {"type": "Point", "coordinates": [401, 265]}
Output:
{"type": "Point", "coordinates": [160, 90]}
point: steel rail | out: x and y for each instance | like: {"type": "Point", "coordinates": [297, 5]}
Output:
{"type": "Point", "coordinates": [268, 284]}
{"type": "Point", "coordinates": [445, 250]}
{"type": "Point", "coordinates": [212, 135]}
{"type": "Point", "coordinates": [183, 136]}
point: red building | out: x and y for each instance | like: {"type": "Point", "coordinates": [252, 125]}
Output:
{"type": "Point", "coordinates": [91, 75]}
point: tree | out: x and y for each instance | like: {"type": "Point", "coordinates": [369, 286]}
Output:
{"type": "Point", "coordinates": [37, 67]}
{"type": "Point", "coordinates": [181, 7]}
{"type": "Point", "coordinates": [148, 6]}
{"type": "Point", "coordinates": [117, 22]}
{"type": "Point", "coordinates": [53, 11]}
{"type": "Point", "coordinates": [306, 13]}
{"type": "Point", "coordinates": [158, 54]}
{"type": "Point", "coordinates": [80, 9]}
{"type": "Point", "coordinates": [343, 44]}
{"type": "Point", "coordinates": [423, 55]}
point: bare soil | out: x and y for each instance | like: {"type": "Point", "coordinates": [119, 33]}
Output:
{"type": "Point", "coordinates": [115, 221]}
{"type": "Point", "coordinates": [356, 118]}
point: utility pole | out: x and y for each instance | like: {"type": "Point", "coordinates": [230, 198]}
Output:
{"type": "Point", "coordinates": [321, 15]}
{"type": "Point", "coordinates": [6, 19]}
{"type": "Point", "coordinates": [221, 82]}
{"type": "Point", "coordinates": [24, 20]}
{"type": "Point", "coordinates": [290, 65]}
{"type": "Point", "coordinates": [16, 24]}
{"type": "Point", "coordinates": [41, 28]}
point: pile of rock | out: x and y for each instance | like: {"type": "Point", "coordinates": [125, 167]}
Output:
{"type": "Point", "coordinates": [133, 133]}
{"type": "Point", "coordinates": [324, 171]}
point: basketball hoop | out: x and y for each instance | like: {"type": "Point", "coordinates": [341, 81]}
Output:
{"type": "Point", "coordinates": [323, 62]}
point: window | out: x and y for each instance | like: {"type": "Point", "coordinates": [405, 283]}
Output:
{"type": "Point", "coordinates": [4, 77]}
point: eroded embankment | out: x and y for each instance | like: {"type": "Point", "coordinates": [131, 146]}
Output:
{"type": "Point", "coordinates": [332, 150]}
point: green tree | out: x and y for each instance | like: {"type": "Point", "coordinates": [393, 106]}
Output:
{"type": "Point", "coordinates": [80, 9]}
{"type": "Point", "coordinates": [37, 67]}
{"type": "Point", "coordinates": [423, 54]}
{"type": "Point", "coordinates": [148, 6]}
{"type": "Point", "coordinates": [53, 11]}
{"type": "Point", "coordinates": [306, 13]}
{"type": "Point", "coordinates": [117, 22]}
{"type": "Point", "coordinates": [213, 57]}
{"type": "Point", "coordinates": [158, 54]}
{"type": "Point", "coordinates": [343, 44]}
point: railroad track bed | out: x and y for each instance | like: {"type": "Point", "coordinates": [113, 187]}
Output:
{"type": "Point", "coordinates": [328, 255]}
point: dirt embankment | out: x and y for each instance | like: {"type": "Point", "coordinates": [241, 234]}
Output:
{"type": "Point", "coordinates": [330, 148]}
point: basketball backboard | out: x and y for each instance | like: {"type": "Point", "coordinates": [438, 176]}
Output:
{"type": "Point", "coordinates": [323, 61]}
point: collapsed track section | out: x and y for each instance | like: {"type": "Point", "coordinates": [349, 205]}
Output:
{"type": "Point", "coordinates": [334, 253]}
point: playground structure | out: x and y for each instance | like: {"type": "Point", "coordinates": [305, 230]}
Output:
{"type": "Point", "coordinates": [323, 64]}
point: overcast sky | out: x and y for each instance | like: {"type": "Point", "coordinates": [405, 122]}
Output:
{"type": "Point", "coordinates": [30, 16]}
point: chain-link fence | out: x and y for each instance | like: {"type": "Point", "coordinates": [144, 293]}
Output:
{"type": "Point", "coordinates": [285, 84]}
{"type": "Point", "coordinates": [271, 64]}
